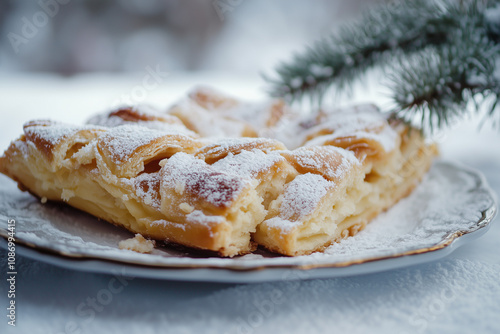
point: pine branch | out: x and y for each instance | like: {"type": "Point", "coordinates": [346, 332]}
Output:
{"type": "Point", "coordinates": [442, 48]}
{"type": "Point", "coordinates": [436, 86]}
{"type": "Point", "coordinates": [344, 57]}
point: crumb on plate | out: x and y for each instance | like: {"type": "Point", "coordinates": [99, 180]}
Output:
{"type": "Point", "coordinates": [138, 244]}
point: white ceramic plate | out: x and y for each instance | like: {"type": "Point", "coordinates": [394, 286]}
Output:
{"type": "Point", "coordinates": [451, 206]}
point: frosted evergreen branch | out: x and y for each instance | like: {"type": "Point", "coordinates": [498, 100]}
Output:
{"type": "Point", "coordinates": [438, 84]}
{"type": "Point", "coordinates": [443, 48]}
{"type": "Point", "coordinates": [343, 57]}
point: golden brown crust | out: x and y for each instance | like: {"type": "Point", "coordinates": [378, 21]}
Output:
{"type": "Point", "coordinates": [126, 151]}
{"type": "Point", "coordinates": [211, 99]}
{"type": "Point", "coordinates": [147, 172]}
{"type": "Point", "coordinates": [131, 114]}
{"type": "Point", "coordinates": [220, 149]}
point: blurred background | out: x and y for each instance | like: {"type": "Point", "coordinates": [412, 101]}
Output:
{"type": "Point", "coordinates": [69, 59]}
{"type": "Point", "coordinates": [70, 37]}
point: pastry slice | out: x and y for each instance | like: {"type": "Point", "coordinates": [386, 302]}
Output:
{"type": "Point", "coordinates": [206, 207]}
{"type": "Point", "coordinates": [310, 213]}
{"type": "Point", "coordinates": [394, 156]}
{"type": "Point", "coordinates": [213, 114]}
{"type": "Point", "coordinates": [193, 176]}
{"type": "Point", "coordinates": [145, 180]}
{"type": "Point", "coordinates": [145, 116]}
{"type": "Point", "coordinates": [353, 165]}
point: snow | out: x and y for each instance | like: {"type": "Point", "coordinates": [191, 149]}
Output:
{"type": "Point", "coordinates": [321, 71]}
{"type": "Point", "coordinates": [493, 15]}
{"type": "Point", "coordinates": [296, 82]}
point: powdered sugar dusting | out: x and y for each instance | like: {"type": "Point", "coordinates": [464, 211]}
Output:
{"type": "Point", "coordinates": [147, 186]}
{"type": "Point", "coordinates": [223, 145]}
{"type": "Point", "coordinates": [124, 140]}
{"type": "Point", "coordinates": [169, 128]}
{"type": "Point", "coordinates": [200, 179]}
{"type": "Point", "coordinates": [208, 123]}
{"type": "Point", "coordinates": [248, 164]}
{"type": "Point", "coordinates": [360, 122]}
{"type": "Point", "coordinates": [363, 121]}
{"type": "Point", "coordinates": [288, 131]}
{"type": "Point", "coordinates": [198, 217]}
{"type": "Point", "coordinates": [387, 137]}
{"type": "Point", "coordinates": [322, 159]}
{"type": "Point", "coordinates": [169, 223]}
{"type": "Point", "coordinates": [255, 114]}
{"type": "Point", "coordinates": [279, 223]}
{"type": "Point", "coordinates": [53, 132]}
{"type": "Point", "coordinates": [21, 147]}
{"type": "Point", "coordinates": [147, 117]}
{"type": "Point", "coordinates": [436, 207]}
{"type": "Point", "coordinates": [303, 195]}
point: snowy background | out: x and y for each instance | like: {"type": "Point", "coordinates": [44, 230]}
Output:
{"type": "Point", "coordinates": [93, 53]}
{"type": "Point", "coordinates": [128, 35]}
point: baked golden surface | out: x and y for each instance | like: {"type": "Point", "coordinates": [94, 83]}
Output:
{"type": "Point", "coordinates": [218, 174]}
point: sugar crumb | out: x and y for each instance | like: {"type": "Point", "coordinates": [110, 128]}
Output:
{"type": "Point", "coordinates": [138, 244]}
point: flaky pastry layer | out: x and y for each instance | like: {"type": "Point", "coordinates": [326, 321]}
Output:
{"type": "Point", "coordinates": [197, 176]}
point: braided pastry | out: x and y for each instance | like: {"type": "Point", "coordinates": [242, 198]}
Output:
{"type": "Point", "coordinates": [202, 174]}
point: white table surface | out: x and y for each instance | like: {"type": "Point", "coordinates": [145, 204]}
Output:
{"type": "Point", "coordinates": [460, 293]}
